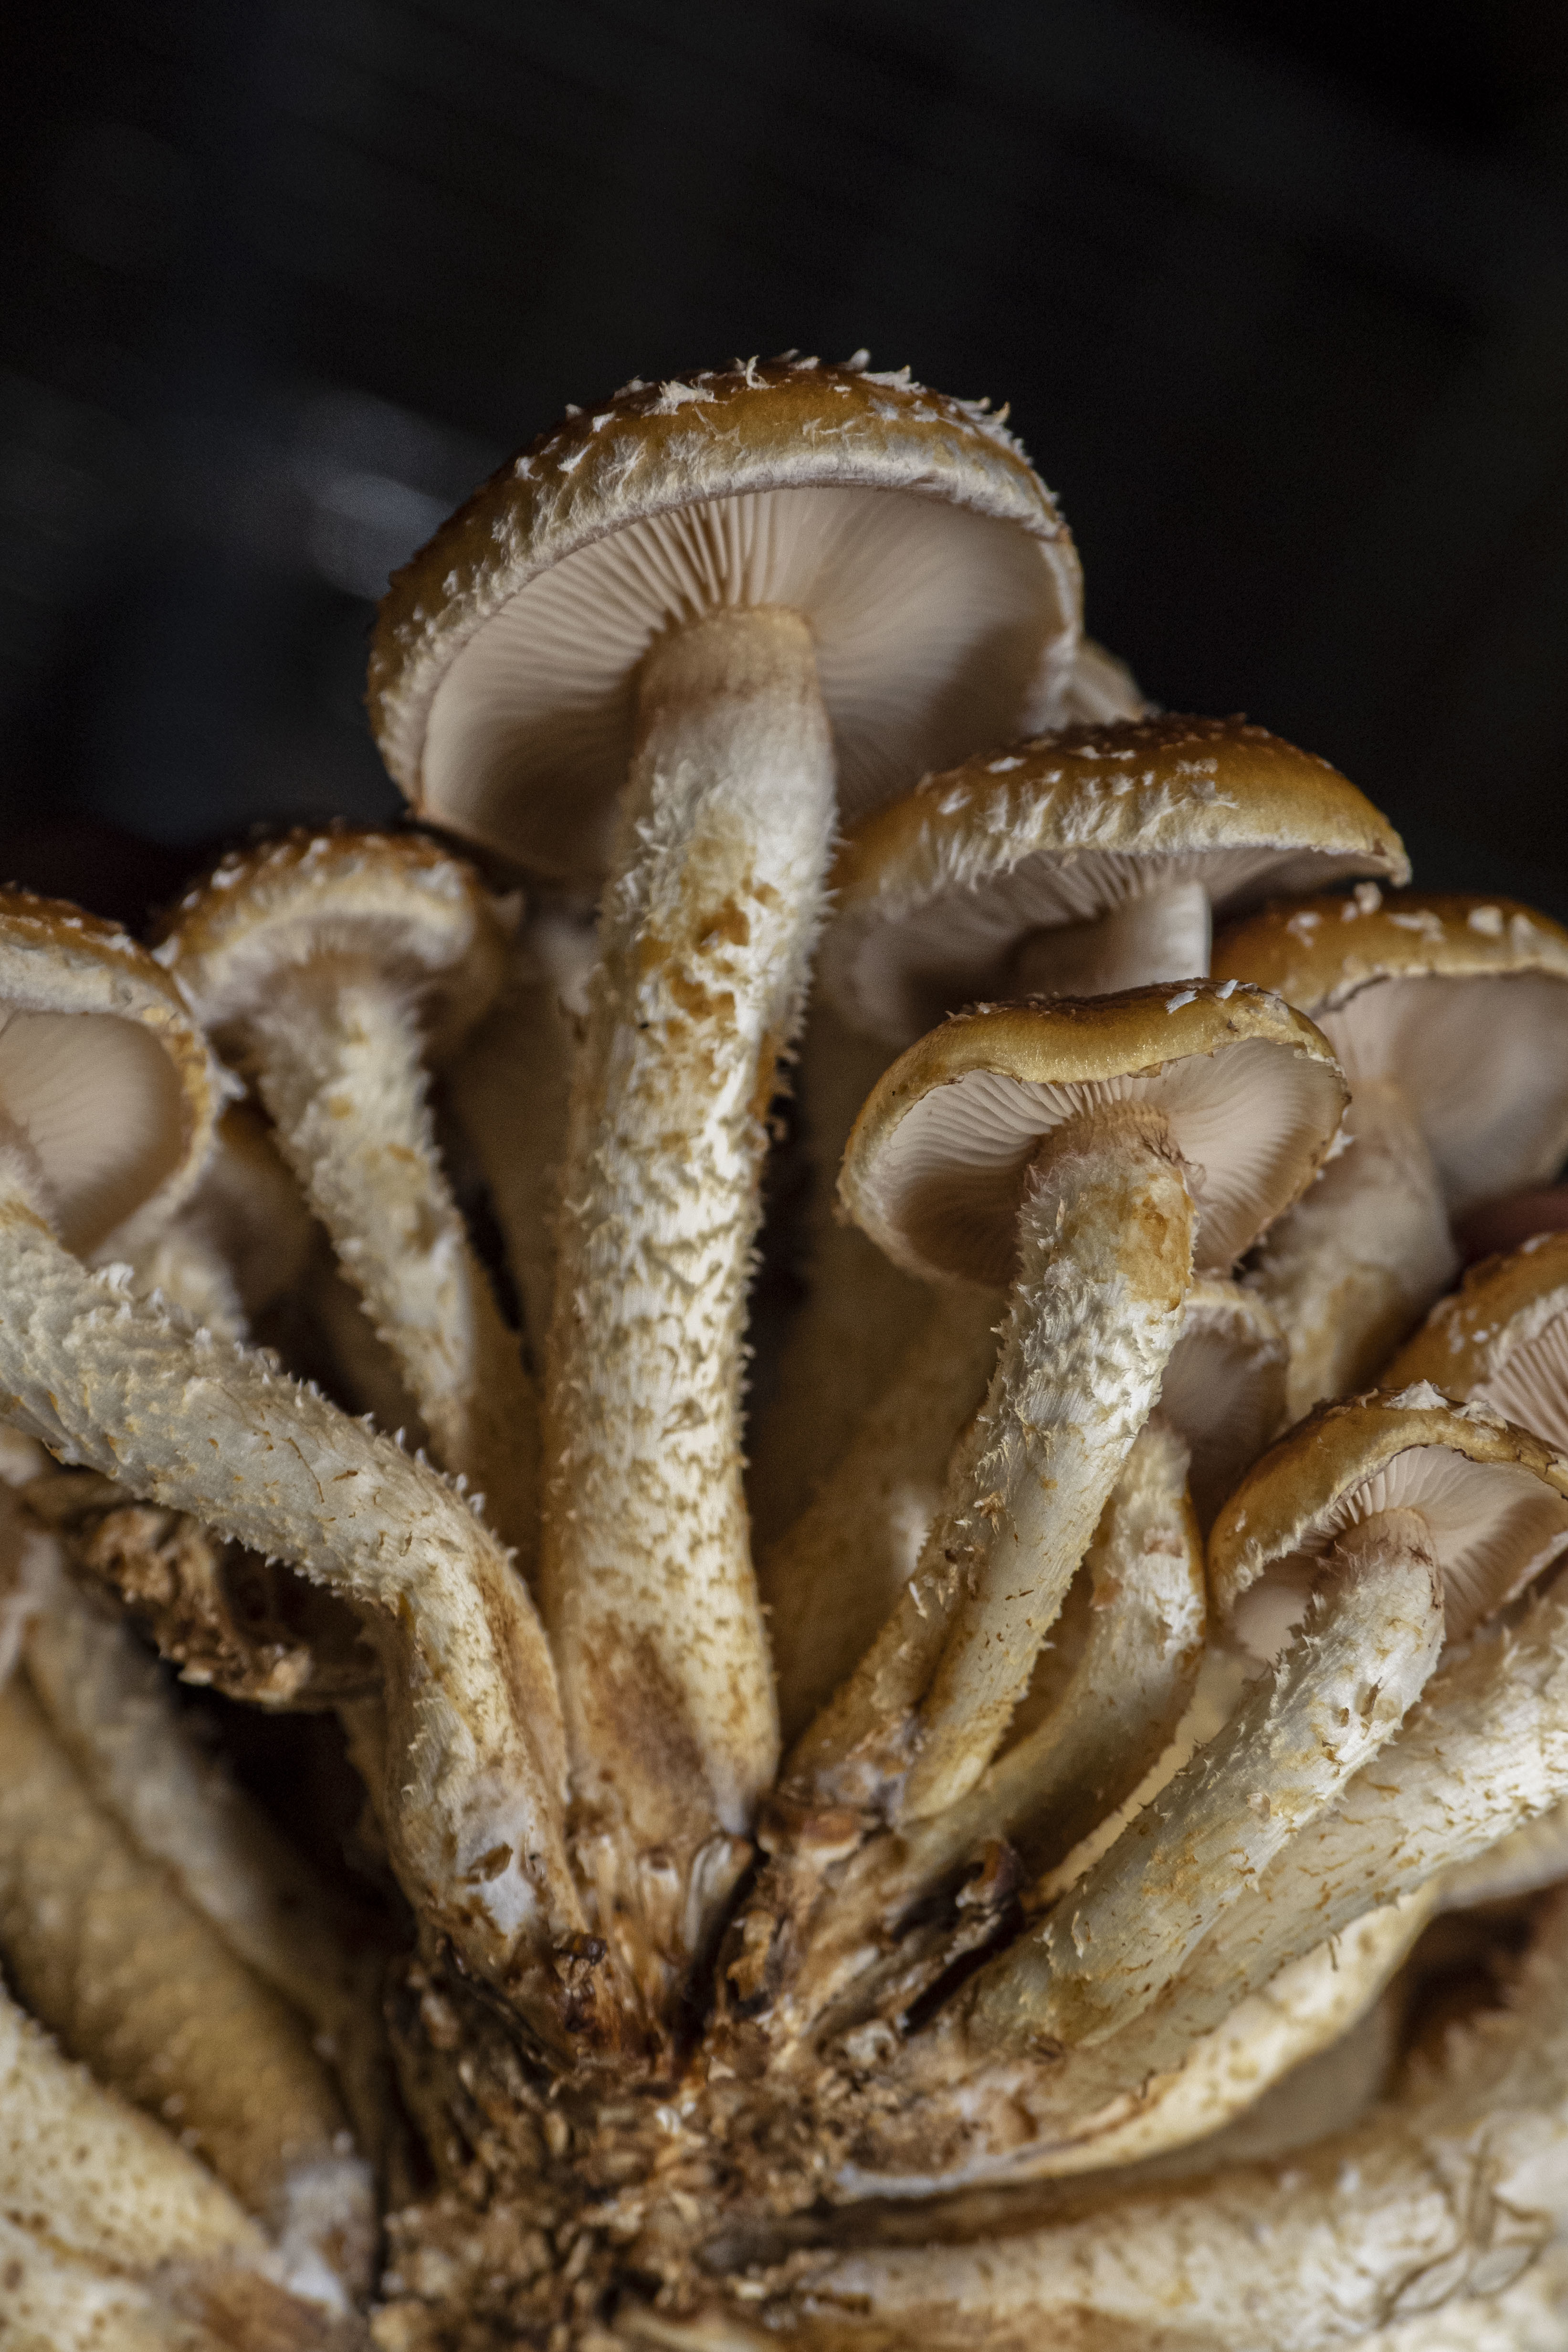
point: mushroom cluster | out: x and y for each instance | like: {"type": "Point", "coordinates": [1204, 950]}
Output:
{"type": "Point", "coordinates": [1004, 1784]}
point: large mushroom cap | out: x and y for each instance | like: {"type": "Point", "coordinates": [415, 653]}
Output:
{"type": "Point", "coordinates": [1462, 1001]}
{"type": "Point", "coordinates": [935, 1167]}
{"type": "Point", "coordinates": [420, 914]}
{"type": "Point", "coordinates": [936, 891]}
{"type": "Point", "coordinates": [938, 582]}
{"type": "Point", "coordinates": [1503, 1336]}
{"type": "Point", "coordinates": [107, 1094]}
{"type": "Point", "coordinates": [1495, 1500]}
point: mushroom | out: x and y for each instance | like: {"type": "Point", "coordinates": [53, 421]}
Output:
{"type": "Point", "coordinates": [473, 1797]}
{"type": "Point", "coordinates": [1449, 2190]}
{"type": "Point", "coordinates": [1100, 689]}
{"type": "Point", "coordinates": [644, 650]}
{"type": "Point", "coordinates": [1117, 1673]}
{"type": "Point", "coordinates": [1451, 1016]}
{"type": "Point", "coordinates": [1082, 863]}
{"type": "Point", "coordinates": [136, 1983]}
{"type": "Point", "coordinates": [1348, 1555]}
{"type": "Point", "coordinates": [333, 967]}
{"type": "Point", "coordinates": [1057, 1146]}
{"type": "Point", "coordinates": [833, 1581]}
{"type": "Point", "coordinates": [1502, 1340]}
{"type": "Point", "coordinates": [1076, 864]}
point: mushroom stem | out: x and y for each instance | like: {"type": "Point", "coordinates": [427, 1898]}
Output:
{"type": "Point", "coordinates": [1451, 2189]}
{"type": "Point", "coordinates": [833, 1581]}
{"type": "Point", "coordinates": [474, 1797]}
{"type": "Point", "coordinates": [1159, 935]}
{"type": "Point", "coordinates": [1333, 1699]}
{"type": "Point", "coordinates": [140, 1986]}
{"type": "Point", "coordinates": [1138, 1608]}
{"type": "Point", "coordinates": [339, 1067]}
{"type": "Point", "coordinates": [860, 1316]}
{"type": "Point", "coordinates": [1354, 1265]}
{"type": "Point", "coordinates": [709, 920]}
{"type": "Point", "coordinates": [1104, 1256]}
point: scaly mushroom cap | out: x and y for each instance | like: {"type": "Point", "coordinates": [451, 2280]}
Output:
{"type": "Point", "coordinates": [1460, 1000]}
{"type": "Point", "coordinates": [934, 1169]}
{"type": "Point", "coordinates": [935, 892]}
{"type": "Point", "coordinates": [1494, 1498]}
{"type": "Point", "coordinates": [423, 916]}
{"type": "Point", "coordinates": [108, 1093]}
{"type": "Point", "coordinates": [502, 670]}
{"type": "Point", "coordinates": [1504, 1333]}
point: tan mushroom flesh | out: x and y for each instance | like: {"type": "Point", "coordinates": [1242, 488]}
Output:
{"type": "Point", "coordinates": [1450, 1017]}
{"type": "Point", "coordinates": [1056, 1148]}
{"type": "Point", "coordinates": [1347, 1556]}
{"type": "Point", "coordinates": [334, 968]}
{"type": "Point", "coordinates": [648, 650]}
{"type": "Point", "coordinates": [1502, 1340]}
{"type": "Point", "coordinates": [1080, 863]}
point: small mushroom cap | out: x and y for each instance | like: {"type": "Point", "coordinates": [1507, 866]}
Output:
{"type": "Point", "coordinates": [935, 1167]}
{"type": "Point", "coordinates": [1463, 1001]}
{"type": "Point", "coordinates": [108, 1092]}
{"type": "Point", "coordinates": [1494, 1498]}
{"type": "Point", "coordinates": [1503, 1336]}
{"type": "Point", "coordinates": [502, 686]}
{"type": "Point", "coordinates": [406, 905]}
{"type": "Point", "coordinates": [936, 891]}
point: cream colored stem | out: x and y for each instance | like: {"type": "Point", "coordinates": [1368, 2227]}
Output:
{"type": "Point", "coordinates": [189, 1272]}
{"type": "Point", "coordinates": [1135, 1644]}
{"type": "Point", "coordinates": [339, 1067]}
{"type": "Point", "coordinates": [1163, 935]}
{"type": "Point", "coordinates": [1449, 2190]}
{"type": "Point", "coordinates": [1353, 1267]}
{"type": "Point", "coordinates": [108, 2184]}
{"type": "Point", "coordinates": [476, 1766]}
{"type": "Point", "coordinates": [861, 1316]}
{"type": "Point", "coordinates": [137, 1984]}
{"type": "Point", "coordinates": [109, 1707]}
{"type": "Point", "coordinates": [1334, 1698]}
{"type": "Point", "coordinates": [831, 1584]}
{"type": "Point", "coordinates": [1105, 1241]}
{"type": "Point", "coordinates": [709, 920]}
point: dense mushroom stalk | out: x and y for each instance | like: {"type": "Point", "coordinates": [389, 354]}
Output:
{"type": "Point", "coordinates": [331, 965]}
{"type": "Point", "coordinates": [1076, 1119]}
{"type": "Point", "coordinates": [648, 1581]}
{"type": "Point", "coordinates": [1410, 992]}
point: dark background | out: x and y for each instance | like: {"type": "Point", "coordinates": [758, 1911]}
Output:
{"type": "Point", "coordinates": [1279, 298]}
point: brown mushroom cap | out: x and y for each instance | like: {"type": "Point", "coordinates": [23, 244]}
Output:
{"type": "Point", "coordinates": [108, 1093]}
{"type": "Point", "coordinates": [935, 891]}
{"type": "Point", "coordinates": [1494, 1498]}
{"type": "Point", "coordinates": [502, 671]}
{"type": "Point", "coordinates": [1504, 1335]}
{"type": "Point", "coordinates": [1463, 1001]}
{"type": "Point", "coordinates": [934, 1169]}
{"type": "Point", "coordinates": [423, 917]}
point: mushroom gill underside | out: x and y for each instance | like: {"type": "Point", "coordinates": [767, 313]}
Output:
{"type": "Point", "coordinates": [1148, 1931]}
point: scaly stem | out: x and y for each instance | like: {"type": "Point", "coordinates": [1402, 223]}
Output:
{"type": "Point", "coordinates": [1302, 1731]}
{"type": "Point", "coordinates": [474, 1795]}
{"type": "Point", "coordinates": [1105, 1243]}
{"type": "Point", "coordinates": [707, 922]}
{"type": "Point", "coordinates": [1162, 935]}
{"type": "Point", "coordinates": [339, 1068]}
{"type": "Point", "coordinates": [1353, 1267]}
